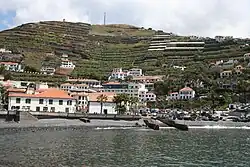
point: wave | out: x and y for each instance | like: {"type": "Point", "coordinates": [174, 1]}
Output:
{"type": "Point", "coordinates": [219, 127]}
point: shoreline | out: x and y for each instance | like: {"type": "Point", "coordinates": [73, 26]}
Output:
{"type": "Point", "coordinates": [114, 124]}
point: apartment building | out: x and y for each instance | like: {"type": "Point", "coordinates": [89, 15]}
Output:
{"type": "Point", "coordinates": [74, 87]}
{"type": "Point", "coordinates": [119, 73]}
{"type": "Point", "coordinates": [185, 93]}
{"type": "Point", "coordinates": [132, 89]}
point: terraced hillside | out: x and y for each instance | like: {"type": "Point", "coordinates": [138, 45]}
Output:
{"type": "Point", "coordinates": [96, 49]}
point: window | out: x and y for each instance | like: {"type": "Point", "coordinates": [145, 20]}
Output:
{"type": "Point", "coordinates": [38, 109]}
{"type": "Point", "coordinates": [69, 102]}
{"type": "Point", "coordinates": [45, 109]}
{"type": "Point", "coordinates": [53, 109]}
{"type": "Point", "coordinates": [67, 110]}
{"type": "Point", "coordinates": [18, 100]}
{"type": "Point", "coordinates": [50, 101]}
{"type": "Point", "coordinates": [40, 101]}
{"type": "Point", "coordinates": [60, 102]}
{"type": "Point", "coordinates": [27, 101]}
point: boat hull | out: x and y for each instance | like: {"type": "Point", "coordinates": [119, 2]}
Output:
{"type": "Point", "coordinates": [151, 125]}
{"type": "Point", "coordinates": [172, 123]}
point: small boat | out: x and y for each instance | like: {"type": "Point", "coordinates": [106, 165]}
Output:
{"type": "Point", "coordinates": [172, 123]}
{"type": "Point", "coordinates": [85, 120]}
{"type": "Point", "coordinates": [151, 125]}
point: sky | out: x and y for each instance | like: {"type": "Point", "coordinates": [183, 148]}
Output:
{"type": "Point", "coordinates": [183, 17]}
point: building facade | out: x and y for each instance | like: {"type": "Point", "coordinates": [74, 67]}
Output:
{"type": "Point", "coordinates": [50, 100]}
{"type": "Point", "coordinates": [11, 66]}
{"type": "Point", "coordinates": [186, 93]}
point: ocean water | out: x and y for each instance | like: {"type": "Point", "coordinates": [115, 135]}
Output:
{"type": "Point", "coordinates": [82, 146]}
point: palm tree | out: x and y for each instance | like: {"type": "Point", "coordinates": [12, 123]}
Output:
{"type": "Point", "coordinates": [121, 100]}
{"type": "Point", "coordinates": [243, 87]}
{"type": "Point", "coordinates": [133, 101]}
{"type": "Point", "coordinates": [102, 99]}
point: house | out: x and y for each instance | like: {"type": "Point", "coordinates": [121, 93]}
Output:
{"type": "Point", "coordinates": [225, 74]}
{"type": "Point", "coordinates": [135, 72]}
{"type": "Point", "coordinates": [11, 66]}
{"type": "Point", "coordinates": [185, 93]}
{"type": "Point", "coordinates": [65, 63]}
{"type": "Point", "coordinates": [118, 73]}
{"type": "Point", "coordinates": [108, 107]}
{"type": "Point", "coordinates": [180, 67]}
{"type": "Point", "coordinates": [50, 100]}
{"type": "Point", "coordinates": [48, 70]}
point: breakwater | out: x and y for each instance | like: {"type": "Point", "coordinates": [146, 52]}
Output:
{"type": "Point", "coordinates": [48, 115]}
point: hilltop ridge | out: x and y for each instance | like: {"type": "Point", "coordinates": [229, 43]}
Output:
{"type": "Point", "coordinates": [97, 49]}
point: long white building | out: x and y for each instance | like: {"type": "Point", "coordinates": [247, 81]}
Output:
{"type": "Point", "coordinates": [50, 100]}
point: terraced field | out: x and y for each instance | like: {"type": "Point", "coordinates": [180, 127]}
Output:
{"type": "Point", "coordinates": [97, 49]}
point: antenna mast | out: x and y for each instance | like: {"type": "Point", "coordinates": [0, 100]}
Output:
{"type": "Point", "coordinates": [104, 19]}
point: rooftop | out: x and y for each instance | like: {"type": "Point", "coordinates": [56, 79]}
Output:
{"type": "Point", "coordinates": [49, 93]}
{"type": "Point", "coordinates": [94, 96]}
{"type": "Point", "coordinates": [186, 89]}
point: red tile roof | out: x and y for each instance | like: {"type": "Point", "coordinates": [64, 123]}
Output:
{"type": "Point", "coordinates": [186, 89]}
{"type": "Point", "coordinates": [9, 63]}
{"type": "Point", "coordinates": [50, 93]}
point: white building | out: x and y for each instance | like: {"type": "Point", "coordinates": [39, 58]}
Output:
{"type": "Point", "coordinates": [74, 87]}
{"type": "Point", "coordinates": [11, 66]}
{"type": "Point", "coordinates": [50, 100]}
{"type": "Point", "coordinates": [135, 72]}
{"type": "Point", "coordinates": [108, 107]}
{"type": "Point", "coordinates": [118, 73]}
{"type": "Point", "coordinates": [180, 67]}
{"type": "Point", "coordinates": [48, 70]}
{"type": "Point", "coordinates": [90, 82]}
{"type": "Point", "coordinates": [3, 50]}
{"type": "Point", "coordinates": [65, 63]}
{"type": "Point", "coordinates": [132, 89]}
{"type": "Point", "coordinates": [183, 94]}
{"type": "Point", "coordinates": [82, 100]}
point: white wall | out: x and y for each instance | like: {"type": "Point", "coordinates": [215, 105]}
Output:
{"type": "Point", "coordinates": [35, 103]}
{"type": "Point", "coordinates": [95, 107]}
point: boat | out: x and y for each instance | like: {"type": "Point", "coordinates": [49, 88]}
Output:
{"type": "Point", "coordinates": [172, 123]}
{"type": "Point", "coordinates": [151, 125]}
{"type": "Point", "coordinates": [85, 120]}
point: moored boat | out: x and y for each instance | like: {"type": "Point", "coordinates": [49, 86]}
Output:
{"type": "Point", "coordinates": [172, 123]}
{"type": "Point", "coordinates": [151, 125]}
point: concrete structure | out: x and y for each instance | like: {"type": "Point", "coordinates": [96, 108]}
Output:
{"type": "Point", "coordinates": [148, 79]}
{"type": "Point", "coordinates": [11, 66]}
{"type": "Point", "coordinates": [108, 107]}
{"type": "Point", "coordinates": [158, 42]}
{"type": "Point", "coordinates": [135, 72]}
{"type": "Point", "coordinates": [180, 67]}
{"type": "Point", "coordinates": [50, 100]}
{"type": "Point", "coordinates": [185, 46]}
{"type": "Point", "coordinates": [90, 82]}
{"type": "Point", "coordinates": [74, 87]}
{"type": "Point", "coordinates": [183, 94]}
{"type": "Point", "coordinates": [48, 70]}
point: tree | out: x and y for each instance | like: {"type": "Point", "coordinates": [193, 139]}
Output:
{"type": "Point", "coordinates": [133, 101]}
{"type": "Point", "coordinates": [121, 100]}
{"type": "Point", "coordinates": [102, 99]}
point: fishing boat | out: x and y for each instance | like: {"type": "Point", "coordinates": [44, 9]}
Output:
{"type": "Point", "coordinates": [151, 125]}
{"type": "Point", "coordinates": [172, 123]}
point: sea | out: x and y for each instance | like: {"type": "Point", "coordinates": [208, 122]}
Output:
{"type": "Point", "coordinates": [82, 146]}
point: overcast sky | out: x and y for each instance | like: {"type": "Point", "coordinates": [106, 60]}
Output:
{"type": "Point", "coordinates": [184, 17]}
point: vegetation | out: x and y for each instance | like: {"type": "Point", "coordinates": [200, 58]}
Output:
{"type": "Point", "coordinates": [102, 99]}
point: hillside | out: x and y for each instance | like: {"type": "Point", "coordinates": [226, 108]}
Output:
{"type": "Point", "coordinates": [96, 49]}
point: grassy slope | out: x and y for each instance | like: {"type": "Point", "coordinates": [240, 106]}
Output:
{"type": "Point", "coordinates": [97, 49]}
